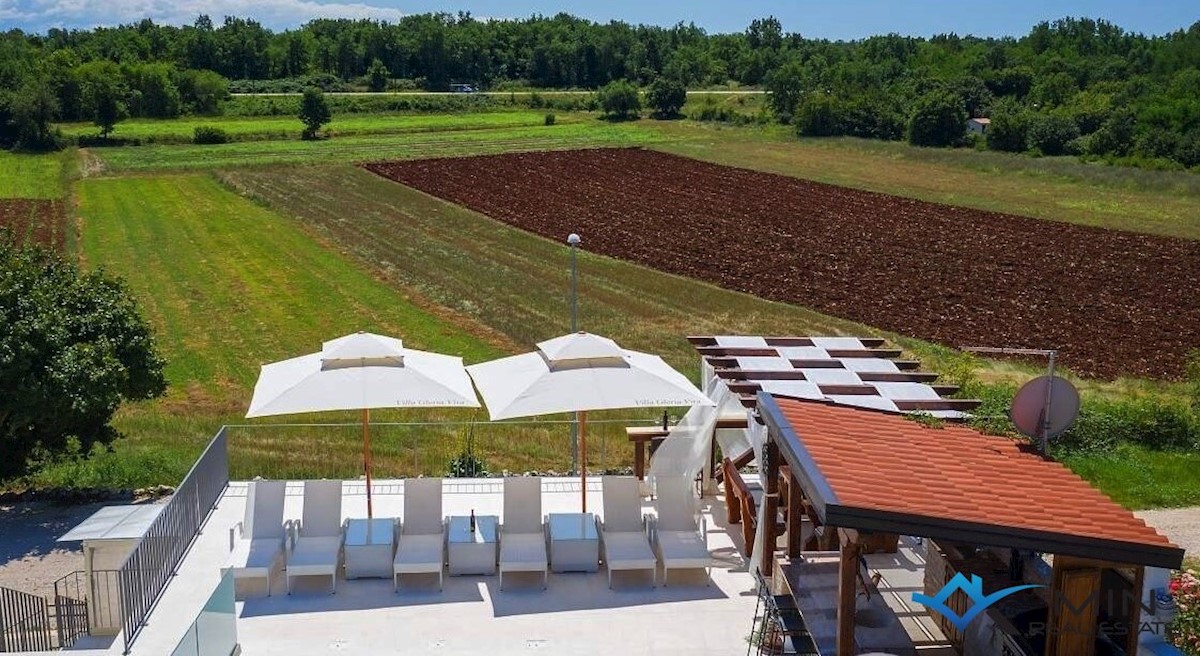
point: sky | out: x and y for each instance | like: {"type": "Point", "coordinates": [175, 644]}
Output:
{"type": "Point", "coordinates": [832, 19]}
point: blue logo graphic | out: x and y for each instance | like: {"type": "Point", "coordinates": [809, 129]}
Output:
{"type": "Point", "coordinates": [974, 591]}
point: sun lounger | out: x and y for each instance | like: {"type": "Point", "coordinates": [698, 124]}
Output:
{"type": "Point", "coordinates": [523, 531]}
{"type": "Point", "coordinates": [316, 542]}
{"type": "Point", "coordinates": [256, 542]}
{"type": "Point", "coordinates": [421, 546]}
{"type": "Point", "coordinates": [679, 533]}
{"type": "Point", "coordinates": [624, 535]}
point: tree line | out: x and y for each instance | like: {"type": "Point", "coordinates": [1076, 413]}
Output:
{"type": "Point", "coordinates": [1077, 86]}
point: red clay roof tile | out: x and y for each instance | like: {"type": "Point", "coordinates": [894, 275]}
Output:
{"type": "Point", "coordinates": [885, 462]}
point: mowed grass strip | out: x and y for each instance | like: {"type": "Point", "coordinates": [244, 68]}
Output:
{"type": "Point", "coordinates": [229, 285]}
{"type": "Point", "coordinates": [449, 142]}
{"type": "Point", "coordinates": [289, 127]}
{"type": "Point", "coordinates": [24, 175]}
{"type": "Point", "coordinates": [508, 279]}
{"type": "Point", "coordinates": [1059, 189]}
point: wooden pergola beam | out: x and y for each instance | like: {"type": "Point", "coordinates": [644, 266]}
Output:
{"type": "Point", "coordinates": [850, 550]}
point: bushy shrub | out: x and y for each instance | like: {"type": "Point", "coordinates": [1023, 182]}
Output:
{"type": "Point", "coordinates": [666, 97]}
{"type": "Point", "coordinates": [549, 120]}
{"type": "Point", "coordinates": [620, 100]}
{"type": "Point", "coordinates": [1051, 133]}
{"type": "Point", "coordinates": [207, 134]}
{"type": "Point", "coordinates": [1152, 423]}
{"type": "Point", "coordinates": [1009, 130]}
{"type": "Point", "coordinates": [938, 120]}
{"type": "Point", "coordinates": [467, 465]}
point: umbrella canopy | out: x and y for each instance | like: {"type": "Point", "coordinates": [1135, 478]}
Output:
{"type": "Point", "coordinates": [577, 373]}
{"type": "Point", "coordinates": [580, 372]}
{"type": "Point", "coordinates": [360, 372]}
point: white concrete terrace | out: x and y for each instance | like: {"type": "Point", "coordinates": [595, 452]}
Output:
{"type": "Point", "coordinates": [577, 614]}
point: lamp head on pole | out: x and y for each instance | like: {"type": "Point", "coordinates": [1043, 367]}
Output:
{"type": "Point", "coordinates": [573, 239]}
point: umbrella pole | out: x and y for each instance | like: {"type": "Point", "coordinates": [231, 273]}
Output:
{"type": "Point", "coordinates": [583, 456]}
{"type": "Point", "coordinates": [366, 422]}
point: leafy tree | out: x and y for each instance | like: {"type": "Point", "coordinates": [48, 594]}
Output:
{"type": "Point", "coordinates": [314, 112]}
{"type": "Point", "coordinates": [103, 95]}
{"type": "Point", "coordinates": [377, 76]}
{"type": "Point", "coordinates": [620, 100]}
{"type": "Point", "coordinates": [1050, 133]}
{"type": "Point", "coordinates": [203, 91]}
{"type": "Point", "coordinates": [785, 86]}
{"type": "Point", "coordinates": [153, 92]}
{"type": "Point", "coordinates": [818, 115]}
{"type": "Point", "coordinates": [937, 120]}
{"type": "Point", "coordinates": [1009, 129]}
{"type": "Point", "coordinates": [1115, 137]}
{"type": "Point", "coordinates": [73, 349]}
{"type": "Point", "coordinates": [33, 111]}
{"type": "Point", "coordinates": [666, 97]}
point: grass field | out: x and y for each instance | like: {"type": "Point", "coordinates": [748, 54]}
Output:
{"type": "Point", "coordinates": [289, 127]}
{"type": "Point", "coordinates": [228, 285]}
{"type": "Point", "coordinates": [325, 248]}
{"type": "Point", "coordinates": [588, 134]}
{"type": "Point", "coordinates": [33, 176]}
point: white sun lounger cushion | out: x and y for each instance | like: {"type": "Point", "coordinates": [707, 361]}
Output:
{"type": "Point", "coordinates": [417, 554]}
{"type": "Point", "coordinates": [741, 341]}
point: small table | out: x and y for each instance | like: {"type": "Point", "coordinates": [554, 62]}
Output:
{"type": "Point", "coordinates": [472, 552]}
{"type": "Point", "coordinates": [574, 542]}
{"type": "Point", "coordinates": [370, 546]}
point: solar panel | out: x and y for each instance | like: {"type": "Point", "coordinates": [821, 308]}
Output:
{"type": "Point", "coordinates": [861, 375]}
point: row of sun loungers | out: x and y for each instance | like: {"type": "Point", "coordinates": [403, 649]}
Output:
{"type": "Point", "coordinates": [264, 542]}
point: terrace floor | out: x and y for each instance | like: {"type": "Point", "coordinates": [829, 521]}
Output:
{"type": "Point", "coordinates": [577, 614]}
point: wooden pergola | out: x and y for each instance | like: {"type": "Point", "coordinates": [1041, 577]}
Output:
{"type": "Point", "coordinates": [861, 472]}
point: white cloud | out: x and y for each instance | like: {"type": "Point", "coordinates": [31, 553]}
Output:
{"type": "Point", "coordinates": [38, 15]}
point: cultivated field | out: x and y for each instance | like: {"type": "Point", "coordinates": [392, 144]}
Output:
{"type": "Point", "coordinates": [35, 221]}
{"type": "Point", "coordinates": [1115, 303]}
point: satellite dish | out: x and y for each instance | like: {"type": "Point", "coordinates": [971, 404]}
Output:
{"type": "Point", "coordinates": [1029, 406]}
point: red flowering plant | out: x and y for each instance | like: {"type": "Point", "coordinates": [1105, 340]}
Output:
{"type": "Point", "coordinates": [1185, 629]}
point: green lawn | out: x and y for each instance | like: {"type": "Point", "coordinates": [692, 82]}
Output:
{"type": "Point", "coordinates": [229, 285]}
{"type": "Point", "coordinates": [289, 127]}
{"type": "Point", "coordinates": [587, 134]}
{"type": "Point", "coordinates": [1137, 477]}
{"type": "Point", "coordinates": [32, 176]}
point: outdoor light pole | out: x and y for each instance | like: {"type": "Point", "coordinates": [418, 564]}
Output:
{"type": "Point", "coordinates": [573, 240]}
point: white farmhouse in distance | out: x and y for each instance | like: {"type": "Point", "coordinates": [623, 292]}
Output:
{"type": "Point", "coordinates": [978, 125]}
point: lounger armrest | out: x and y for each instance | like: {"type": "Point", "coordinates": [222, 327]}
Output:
{"type": "Point", "coordinates": [235, 532]}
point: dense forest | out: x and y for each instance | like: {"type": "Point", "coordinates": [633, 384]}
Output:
{"type": "Point", "coordinates": [1073, 86]}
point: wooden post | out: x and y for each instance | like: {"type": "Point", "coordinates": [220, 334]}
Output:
{"type": "Point", "coordinates": [366, 422]}
{"type": "Point", "coordinates": [1073, 614]}
{"type": "Point", "coordinates": [1135, 613]}
{"type": "Point", "coordinates": [847, 590]}
{"type": "Point", "coordinates": [795, 513]}
{"type": "Point", "coordinates": [771, 507]}
{"type": "Point", "coordinates": [583, 456]}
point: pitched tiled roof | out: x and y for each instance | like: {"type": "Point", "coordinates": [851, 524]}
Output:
{"type": "Point", "coordinates": [869, 470]}
{"type": "Point", "coordinates": [855, 371]}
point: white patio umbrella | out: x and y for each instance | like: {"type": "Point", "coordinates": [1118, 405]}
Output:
{"type": "Point", "coordinates": [577, 373]}
{"type": "Point", "coordinates": [360, 372]}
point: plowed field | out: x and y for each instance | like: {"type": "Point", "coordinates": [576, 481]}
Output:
{"type": "Point", "coordinates": [1114, 303]}
{"type": "Point", "coordinates": [35, 221]}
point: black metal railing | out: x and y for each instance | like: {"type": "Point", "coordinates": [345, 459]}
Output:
{"type": "Point", "coordinates": [151, 564]}
{"type": "Point", "coordinates": [24, 622]}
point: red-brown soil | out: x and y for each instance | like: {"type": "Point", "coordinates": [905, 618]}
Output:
{"type": "Point", "coordinates": [35, 221]}
{"type": "Point", "coordinates": [1114, 303]}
